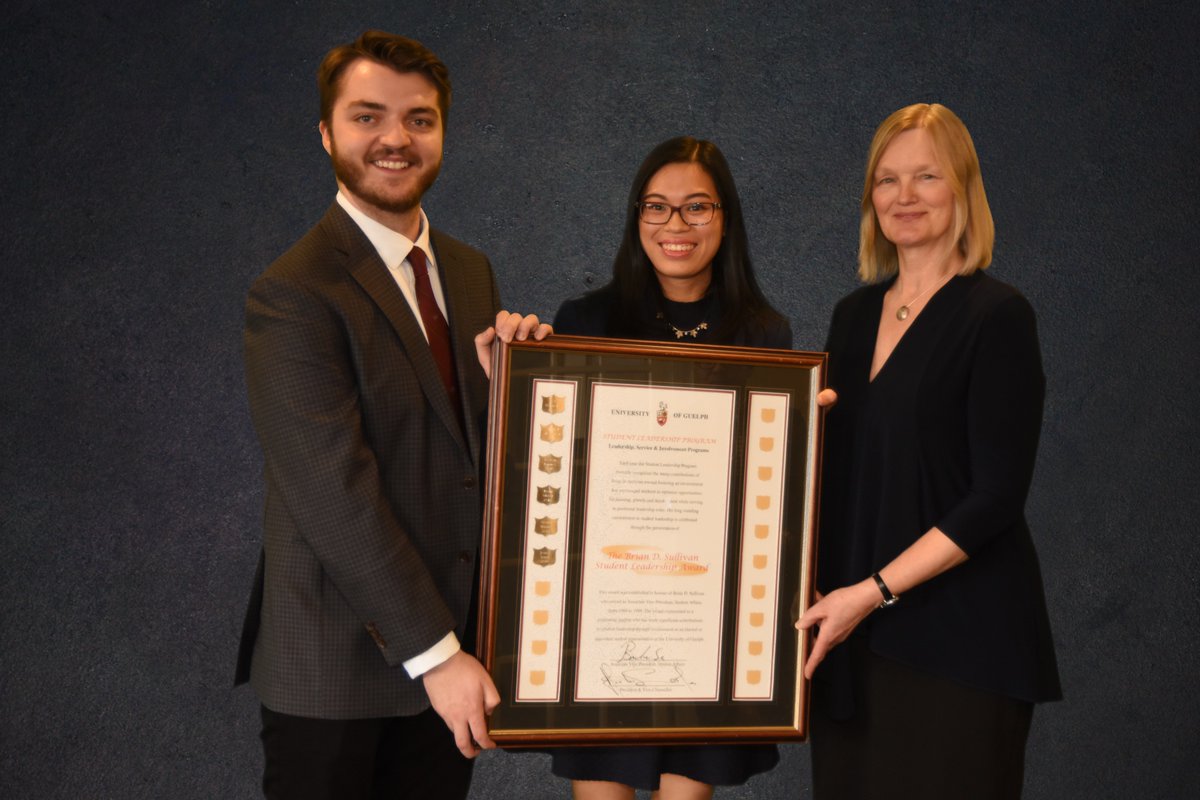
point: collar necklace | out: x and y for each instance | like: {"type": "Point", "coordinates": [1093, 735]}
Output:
{"type": "Point", "coordinates": [679, 332]}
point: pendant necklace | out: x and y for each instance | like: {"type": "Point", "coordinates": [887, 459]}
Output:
{"type": "Point", "coordinates": [903, 311]}
{"type": "Point", "coordinates": [679, 332]}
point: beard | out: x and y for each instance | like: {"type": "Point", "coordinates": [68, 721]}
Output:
{"type": "Point", "coordinates": [353, 175]}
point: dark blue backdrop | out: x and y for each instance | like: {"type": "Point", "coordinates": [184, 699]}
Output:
{"type": "Point", "coordinates": [158, 155]}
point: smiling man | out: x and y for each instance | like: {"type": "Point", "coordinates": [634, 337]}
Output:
{"type": "Point", "coordinates": [384, 133]}
{"type": "Point", "coordinates": [368, 394]}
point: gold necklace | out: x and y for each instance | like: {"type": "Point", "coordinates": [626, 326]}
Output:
{"type": "Point", "coordinates": [679, 334]}
{"type": "Point", "coordinates": [903, 311]}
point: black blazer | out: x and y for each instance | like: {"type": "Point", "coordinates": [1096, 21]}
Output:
{"type": "Point", "coordinates": [373, 488]}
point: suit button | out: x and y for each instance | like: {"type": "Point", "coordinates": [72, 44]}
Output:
{"type": "Point", "coordinates": [464, 557]}
{"type": "Point", "coordinates": [469, 482]}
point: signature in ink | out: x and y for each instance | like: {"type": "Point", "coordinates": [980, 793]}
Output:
{"type": "Point", "coordinates": [642, 668]}
{"type": "Point", "coordinates": [636, 653]}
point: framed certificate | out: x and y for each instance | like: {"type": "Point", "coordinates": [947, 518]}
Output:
{"type": "Point", "coordinates": [649, 541]}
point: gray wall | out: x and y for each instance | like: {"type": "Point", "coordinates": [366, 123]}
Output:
{"type": "Point", "coordinates": [157, 156]}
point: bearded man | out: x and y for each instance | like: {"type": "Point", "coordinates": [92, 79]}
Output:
{"type": "Point", "coordinates": [366, 346]}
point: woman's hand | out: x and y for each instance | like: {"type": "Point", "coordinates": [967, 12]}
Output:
{"type": "Point", "coordinates": [507, 328]}
{"type": "Point", "coordinates": [835, 616]}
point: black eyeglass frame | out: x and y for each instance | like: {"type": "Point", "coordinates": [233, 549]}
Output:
{"type": "Point", "coordinates": [712, 209]}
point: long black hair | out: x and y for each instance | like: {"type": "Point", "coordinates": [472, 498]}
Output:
{"type": "Point", "coordinates": [744, 310]}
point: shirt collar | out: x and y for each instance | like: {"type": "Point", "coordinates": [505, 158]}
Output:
{"type": "Point", "coordinates": [393, 247]}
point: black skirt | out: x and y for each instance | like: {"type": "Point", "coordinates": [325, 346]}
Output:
{"type": "Point", "coordinates": [915, 734]}
{"type": "Point", "coordinates": [640, 767]}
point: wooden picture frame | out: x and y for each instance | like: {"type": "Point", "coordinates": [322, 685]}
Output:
{"type": "Point", "coordinates": [649, 541]}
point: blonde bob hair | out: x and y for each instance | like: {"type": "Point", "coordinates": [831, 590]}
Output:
{"type": "Point", "coordinates": [973, 229]}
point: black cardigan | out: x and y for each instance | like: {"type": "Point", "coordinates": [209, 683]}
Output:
{"type": "Point", "coordinates": [946, 435]}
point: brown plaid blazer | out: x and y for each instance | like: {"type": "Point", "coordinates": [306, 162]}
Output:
{"type": "Point", "coordinates": [373, 512]}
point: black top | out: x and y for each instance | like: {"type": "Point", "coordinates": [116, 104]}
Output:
{"type": "Point", "coordinates": [596, 314]}
{"type": "Point", "coordinates": [946, 435]}
{"type": "Point", "coordinates": [718, 765]}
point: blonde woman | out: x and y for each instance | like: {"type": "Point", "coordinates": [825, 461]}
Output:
{"type": "Point", "coordinates": [932, 639]}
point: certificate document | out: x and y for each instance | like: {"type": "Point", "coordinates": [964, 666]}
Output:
{"type": "Point", "coordinates": [654, 548]}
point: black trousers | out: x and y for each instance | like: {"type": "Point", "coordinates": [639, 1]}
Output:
{"type": "Point", "coordinates": [362, 759]}
{"type": "Point", "coordinates": [917, 735]}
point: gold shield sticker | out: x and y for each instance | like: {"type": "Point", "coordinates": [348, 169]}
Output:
{"type": "Point", "coordinates": [547, 495]}
{"type": "Point", "coordinates": [552, 432]}
{"type": "Point", "coordinates": [543, 557]}
{"type": "Point", "coordinates": [546, 526]}
{"type": "Point", "coordinates": [549, 464]}
{"type": "Point", "coordinates": [554, 404]}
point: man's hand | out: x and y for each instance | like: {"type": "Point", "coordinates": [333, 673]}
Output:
{"type": "Point", "coordinates": [826, 398]}
{"type": "Point", "coordinates": [507, 328]}
{"type": "Point", "coordinates": [462, 693]}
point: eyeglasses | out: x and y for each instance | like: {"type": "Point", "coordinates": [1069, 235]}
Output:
{"type": "Point", "coordinates": [654, 212]}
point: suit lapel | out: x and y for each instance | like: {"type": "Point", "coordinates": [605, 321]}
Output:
{"type": "Point", "coordinates": [364, 264]}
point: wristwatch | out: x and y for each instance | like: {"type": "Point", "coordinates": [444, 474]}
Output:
{"type": "Point", "coordinates": [889, 599]}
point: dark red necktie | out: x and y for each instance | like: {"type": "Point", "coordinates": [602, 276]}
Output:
{"type": "Point", "coordinates": [436, 329]}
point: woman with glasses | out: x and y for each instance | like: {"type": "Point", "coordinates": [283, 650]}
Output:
{"type": "Point", "coordinates": [933, 629]}
{"type": "Point", "coordinates": [682, 273]}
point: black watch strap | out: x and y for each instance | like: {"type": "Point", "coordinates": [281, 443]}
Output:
{"type": "Point", "coordinates": [889, 599]}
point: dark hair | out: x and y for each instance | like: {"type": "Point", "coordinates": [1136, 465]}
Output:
{"type": "Point", "coordinates": [390, 50]}
{"type": "Point", "coordinates": [745, 312]}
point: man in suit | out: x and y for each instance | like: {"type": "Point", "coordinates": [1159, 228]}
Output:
{"type": "Point", "coordinates": [368, 392]}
